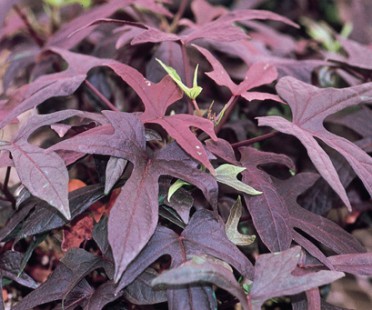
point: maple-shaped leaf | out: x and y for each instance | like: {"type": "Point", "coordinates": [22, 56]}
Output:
{"type": "Point", "coordinates": [135, 206]}
{"type": "Point", "coordinates": [221, 29]}
{"type": "Point", "coordinates": [273, 277]}
{"type": "Point", "coordinates": [64, 38]}
{"type": "Point", "coordinates": [157, 98]}
{"type": "Point", "coordinates": [57, 84]}
{"type": "Point", "coordinates": [257, 75]}
{"type": "Point", "coordinates": [43, 174]}
{"type": "Point", "coordinates": [204, 235]}
{"type": "Point", "coordinates": [203, 269]}
{"type": "Point", "coordinates": [251, 52]}
{"type": "Point", "coordinates": [73, 267]}
{"type": "Point", "coordinates": [310, 106]}
{"type": "Point", "coordinates": [320, 228]}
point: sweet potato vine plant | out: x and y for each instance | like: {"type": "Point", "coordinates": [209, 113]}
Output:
{"type": "Point", "coordinates": [207, 148]}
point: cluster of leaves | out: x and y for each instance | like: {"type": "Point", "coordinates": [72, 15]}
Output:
{"type": "Point", "coordinates": [181, 191]}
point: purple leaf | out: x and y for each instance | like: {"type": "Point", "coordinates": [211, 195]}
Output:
{"type": "Point", "coordinates": [200, 270]}
{"type": "Point", "coordinates": [45, 218]}
{"type": "Point", "coordinates": [257, 75]}
{"type": "Point", "coordinates": [204, 235]}
{"type": "Point", "coordinates": [157, 98]}
{"type": "Point", "coordinates": [320, 228]}
{"type": "Point", "coordinates": [74, 266]}
{"type": "Point", "coordinates": [44, 174]}
{"type": "Point", "coordinates": [114, 170]}
{"type": "Point", "coordinates": [269, 210]}
{"type": "Point", "coordinates": [10, 266]}
{"type": "Point", "coordinates": [310, 106]}
{"type": "Point", "coordinates": [140, 292]}
{"type": "Point", "coordinates": [62, 37]}
{"type": "Point", "coordinates": [136, 200]}
{"type": "Point", "coordinates": [273, 276]}
{"type": "Point", "coordinates": [357, 264]}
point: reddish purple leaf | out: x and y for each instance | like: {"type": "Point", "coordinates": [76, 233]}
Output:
{"type": "Point", "coordinates": [193, 241]}
{"type": "Point", "coordinates": [310, 106]}
{"type": "Point", "coordinates": [273, 277]}
{"type": "Point", "coordinates": [63, 38]}
{"type": "Point", "coordinates": [357, 264]}
{"type": "Point", "coordinates": [359, 55]}
{"type": "Point", "coordinates": [257, 75]}
{"type": "Point", "coordinates": [157, 98]}
{"type": "Point", "coordinates": [136, 207]}
{"type": "Point", "coordinates": [204, 12]}
{"type": "Point", "coordinates": [53, 85]}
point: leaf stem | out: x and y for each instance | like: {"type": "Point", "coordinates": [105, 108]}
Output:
{"type": "Point", "coordinates": [228, 109]}
{"type": "Point", "coordinates": [254, 140]}
{"type": "Point", "coordinates": [101, 96]}
{"type": "Point", "coordinates": [34, 35]}
{"type": "Point", "coordinates": [5, 188]}
{"type": "Point", "coordinates": [177, 17]}
{"type": "Point", "coordinates": [186, 71]}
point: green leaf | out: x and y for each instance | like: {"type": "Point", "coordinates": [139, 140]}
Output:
{"type": "Point", "coordinates": [227, 174]}
{"type": "Point", "coordinates": [175, 187]}
{"type": "Point", "coordinates": [60, 3]}
{"type": "Point", "coordinates": [193, 92]}
{"type": "Point", "coordinates": [231, 226]}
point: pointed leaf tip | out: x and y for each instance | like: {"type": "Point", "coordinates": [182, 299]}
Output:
{"type": "Point", "coordinates": [227, 174]}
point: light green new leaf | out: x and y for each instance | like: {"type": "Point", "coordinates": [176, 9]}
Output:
{"type": "Point", "coordinates": [193, 92]}
{"type": "Point", "coordinates": [60, 3]}
{"type": "Point", "coordinates": [227, 174]}
{"type": "Point", "coordinates": [231, 226]}
{"type": "Point", "coordinates": [175, 187]}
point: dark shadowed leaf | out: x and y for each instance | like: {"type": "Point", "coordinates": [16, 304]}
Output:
{"type": "Point", "coordinates": [74, 266]}
{"type": "Point", "coordinates": [103, 295]}
{"type": "Point", "coordinates": [140, 292]}
{"type": "Point", "coordinates": [77, 297]}
{"type": "Point", "coordinates": [269, 210]}
{"type": "Point", "coordinates": [320, 228]}
{"type": "Point", "coordinates": [273, 276]}
{"type": "Point", "coordinates": [10, 267]}
{"type": "Point", "coordinates": [201, 269]}
{"type": "Point", "coordinates": [45, 218]}
{"type": "Point", "coordinates": [310, 106]}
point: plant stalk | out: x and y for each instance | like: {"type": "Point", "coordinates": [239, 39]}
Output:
{"type": "Point", "coordinates": [101, 96]}
{"type": "Point", "coordinates": [254, 140]}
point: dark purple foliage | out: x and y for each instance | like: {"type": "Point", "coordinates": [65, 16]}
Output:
{"type": "Point", "coordinates": [110, 135]}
